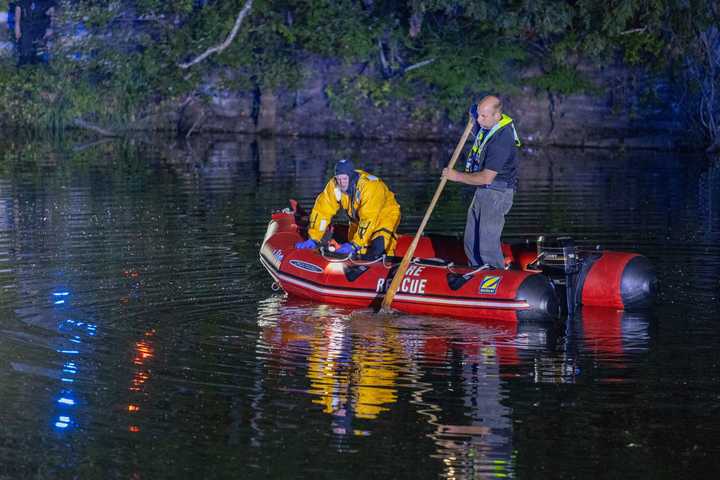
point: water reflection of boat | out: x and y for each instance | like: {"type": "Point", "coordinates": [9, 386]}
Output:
{"type": "Point", "coordinates": [593, 337]}
{"type": "Point", "coordinates": [611, 333]}
{"type": "Point", "coordinates": [439, 283]}
{"type": "Point", "coordinates": [360, 367]}
{"type": "Point", "coordinates": [352, 366]}
{"type": "Point", "coordinates": [453, 381]}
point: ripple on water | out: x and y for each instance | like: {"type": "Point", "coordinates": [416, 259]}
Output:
{"type": "Point", "coordinates": [140, 335]}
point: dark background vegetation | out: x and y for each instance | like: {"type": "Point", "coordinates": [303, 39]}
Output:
{"type": "Point", "coordinates": [404, 68]}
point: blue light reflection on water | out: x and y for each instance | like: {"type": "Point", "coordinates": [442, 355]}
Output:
{"type": "Point", "coordinates": [65, 406]}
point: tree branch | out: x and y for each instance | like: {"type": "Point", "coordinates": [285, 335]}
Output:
{"type": "Point", "coordinates": [79, 122]}
{"type": "Point", "coordinates": [85, 146]}
{"type": "Point", "coordinates": [197, 122]}
{"type": "Point", "coordinates": [633, 30]}
{"type": "Point", "coordinates": [418, 65]}
{"type": "Point", "coordinates": [219, 48]}
{"type": "Point", "coordinates": [383, 61]}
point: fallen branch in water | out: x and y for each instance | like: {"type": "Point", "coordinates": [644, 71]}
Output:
{"type": "Point", "coordinates": [79, 122]}
{"type": "Point", "coordinates": [85, 146]}
{"type": "Point", "coordinates": [219, 48]}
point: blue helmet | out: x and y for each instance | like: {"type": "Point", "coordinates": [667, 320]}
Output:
{"type": "Point", "coordinates": [344, 167]}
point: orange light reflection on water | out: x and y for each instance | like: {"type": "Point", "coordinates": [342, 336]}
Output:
{"type": "Point", "coordinates": [143, 352]}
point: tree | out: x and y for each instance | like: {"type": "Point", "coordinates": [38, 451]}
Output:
{"type": "Point", "coordinates": [132, 62]}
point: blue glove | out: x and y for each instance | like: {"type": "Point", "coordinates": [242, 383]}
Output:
{"type": "Point", "coordinates": [347, 249]}
{"type": "Point", "coordinates": [309, 243]}
{"type": "Point", "coordinates": [473, 111]}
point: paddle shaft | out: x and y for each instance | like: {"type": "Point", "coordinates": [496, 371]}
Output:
{"type": "Point", "coordinates": [405, 263]}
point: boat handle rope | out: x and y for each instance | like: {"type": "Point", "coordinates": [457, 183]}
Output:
{"type": "Point", "coordinates": [369, 262]}
{"type": "Point", "coordinates": [449, 267]}
{"type": "Point", "coordinates": [536, 260]}
{"type": "Point", "coordinates": [471, 273]}
{"type": "Point", "coordinates": [349, 259]}
{"type": "Point", "coordinates": [418, 261]}
{"type": "Point", "coordinates": [334, 259]}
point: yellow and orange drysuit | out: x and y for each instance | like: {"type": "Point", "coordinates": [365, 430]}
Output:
{"type": "Point", "coordinates": [373, 212]}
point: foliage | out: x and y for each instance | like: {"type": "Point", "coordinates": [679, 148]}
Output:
{"type": "Point", "coordinates": [441, 51]}
{"type": "Point", "coordinates": [348, 94]}
{"type": "Point", "coordinates": [461, 71]}
{"type": "Point", "coordinates": [333, 28]}
{"type": "Point", "coordinates": [563, 80]}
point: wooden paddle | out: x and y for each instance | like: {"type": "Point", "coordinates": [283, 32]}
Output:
{"type": "Point", "coordinates": [405, 263]}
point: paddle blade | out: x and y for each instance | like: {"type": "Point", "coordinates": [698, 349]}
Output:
{"type": "Point", "coordinates": [372, 316]}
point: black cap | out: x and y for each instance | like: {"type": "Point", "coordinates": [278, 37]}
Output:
{"type": "Point", "coordinates": [344, 167]}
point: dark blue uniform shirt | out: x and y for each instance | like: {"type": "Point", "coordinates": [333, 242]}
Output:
{"type": "Point", "coordinates": [500, 155]}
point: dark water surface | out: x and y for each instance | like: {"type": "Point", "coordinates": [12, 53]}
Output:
{"type": "Point", "coordinates": [139, 336]}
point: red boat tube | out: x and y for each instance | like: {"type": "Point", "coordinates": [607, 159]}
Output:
{"type": "Point", "coordinates": [617, 279]}
{"type": "Point", "coordinates": [432, 285]}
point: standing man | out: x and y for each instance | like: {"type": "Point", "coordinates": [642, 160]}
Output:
{"type": "Point", "coordinates": [370, 205]}
{"type": "Point", "coordinates": [492, 167]}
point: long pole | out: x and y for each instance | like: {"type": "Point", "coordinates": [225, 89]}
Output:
{"type": "Point", "coordinates": [405, 263]}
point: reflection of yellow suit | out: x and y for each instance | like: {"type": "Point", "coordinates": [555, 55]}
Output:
{"type": "Point", "coordinates": [375, 381]}
{"type": "Point", "coordinates": [373, 212]}
{"type": "Point", "coordinates": [328, 377]}
{"type": "Point", "coordinates": [361, 386]}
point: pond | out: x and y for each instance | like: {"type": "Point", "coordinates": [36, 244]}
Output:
{"type": "Point", "coordinates": [140, 336]}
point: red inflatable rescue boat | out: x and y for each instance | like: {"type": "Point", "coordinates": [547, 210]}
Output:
{"type": "Point", "coordinates": [439, 281]}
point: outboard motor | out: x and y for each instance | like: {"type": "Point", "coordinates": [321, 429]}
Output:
{"type": "Point", "coordinates": [560, 262]}
{"type": "Point", "coordinates": [571, 267]}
